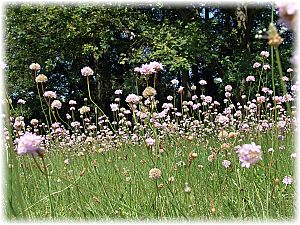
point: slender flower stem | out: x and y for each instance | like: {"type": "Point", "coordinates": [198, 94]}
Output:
{"type": "Point", "coordinates": [48, 188]}
{"type": "Point", "coordinates": [89, 92]}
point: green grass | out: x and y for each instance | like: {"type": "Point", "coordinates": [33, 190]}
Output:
{"type": "Point", "coordinates": [94, 185]}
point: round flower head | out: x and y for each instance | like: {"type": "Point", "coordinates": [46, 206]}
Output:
{"type": "Point", "coordinates": [228, 88]}
{"type": "Point", "coordinates": [256, 65]}
{"type": "Point", "coordinates": [156, 66]}
{"type": "Point", "coordinates": [50, 94]}
{"type": "Point", "coordinates": [250, 78]}
{"type": "Point", "coordinates": [56, 104]}
{"type": "Point", "coordinates": [21, 101]}
{"type": "Point", "coordinates": [174, 82]}
{"type": "Point", "coordinates": [202, 82]}
{"type": "Point", "coordinates": [84, 109]}
{"type": "Point", "coordinates": [87, 71]}
{"type": "Point", "coordinates": [72, 102]}
{"type": "Point", "coordinates": [149, 92]}
{"type": "Point", "coordinates": [29, 143]}
{"type": "Point", "coordinates": [287, 180]}
{"type": "Point", "coordinates": [132, 99]}
{"type": "Point", "coordinates": [114, 107]}
{"type": "Point", "coordinates": [34, 122]}
{"type": "Point", "coordinates": [289, 70]}
{"type": "Point", "coordinates": [41, 78]}
{"type": "Point", "coordinates": [35, 66]}
{"type": "Point", "coordinates": [150, 141]}
{"type": "Point", "coordinates": [118, 92]}
{"type": "Point", "coordinates": [265, 54]}
{"type": "Point", "coordinates": [154, 173]}
{"type": "Point", "coordinates": [249, 154]}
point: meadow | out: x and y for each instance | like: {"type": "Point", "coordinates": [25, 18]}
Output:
{"type": "Point", "coordinates": [185, 158]}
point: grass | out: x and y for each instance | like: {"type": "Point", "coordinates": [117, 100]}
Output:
{"type": "Point", "coordinates": [96, 185]}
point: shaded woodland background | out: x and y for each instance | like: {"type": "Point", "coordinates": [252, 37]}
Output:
{"type": "Point", "coordinates": [195, 41]}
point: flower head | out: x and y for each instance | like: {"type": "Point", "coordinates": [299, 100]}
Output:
{"type": "Point", "coordinates": [154, 173]}
{"type": "Point", "coordinates": [41, 78]}
{"type": "Point", "coordinates": [149, 92]}
{"type": "Point", "coordinates": [87, 71]}
{"type": "Point", "coordinates": [35, 66]}
{"type": "Point", "coordinates": [49, 94]}
{"type": "Point", "coordinates": [249, 154]}
{"type": "Point", "coordinates": [132, 99]}
{"type": "Point", "coordinates": [56, 104]}
{"type": "Point", "coordinates": [29, 143]}
{"type": "Point", "coordinates": [287, 180]}
{"type": "Point", "coordinates": [250, 78]}
{"type": "Point", "coordinates": [84, 109]}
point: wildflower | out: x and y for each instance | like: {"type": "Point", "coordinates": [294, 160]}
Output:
{"type": "Point", "coordinates": [35, 66]}
{"type": "Point", "coordinates": [249, 154]}
{"type": "Point", "coordinates": [118, 92]}
{"type": "Point", "coordinates": [41, 78]}
{"type": "Point", "coordinates": [226, 163]}
{"type": "Point", "coordinates": [256, 65]}
{"type": "Point", "coordinates": [149, 92]}
{"type": "Point", "coordinates": [132, 99]}
{"type": "Point", "coordinates": [169, 98]}
{"type": "Point", "coordinates": [86, 71]}
{"type": "Point", "coordinates": [250, 78]}
{"type": "Point", "coordinates": [56, 104]}
{"type": "Point", "coordinates": [72, 102]}
{"type": "Point", "coordinates": [84, 109]}
{"type": "Point", "coordinates": [114, 107]}
{"type": "Point", "coordinates": [228, 88]}
{"type": "Point", "coordinates": [193, 87]}
{"type": "Point", "coordinates": [29, 143]}
{"type": "Point", "coordinates": [66, 161]}
{"type": "Point", "coordinates": [154, 173]}
{"type": "Point", "coordinates": [150, 141]}
{"type": "Point", "coordinates": [287, 180]}
{"type": "Point", "coordinates": [285, 78]}
{"type": "Point", "coordinates": [156, 66]}
{"type": "Point", "coordinates": [34, 122]}
{"type": "Point", "coordinates": [174, 82]}
{"type": "Point", "coordinates": [21, 101]}
{"type": "Point", "coordinates": [49, 94]}
{"type": "Point", "coordinates": [289, 70]}
{"type": "Point", "coordinates": [265, 54]}
{"type": "Point", "coordinates": [192, 156]}
{"type": "Point", "coordinates": [266, 67]}
{"type": "Point", "coordinates": [202, 82]}
{"type": "Point", "coordinates": [274, 38]}
{"type": "Point", "coordinates": [293, 155]}
{"type": "Point", "coordinates": [187, 188]}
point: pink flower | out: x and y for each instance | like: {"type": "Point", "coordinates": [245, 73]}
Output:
{"type": "Point", "coordinates": [256, 65]}
{"type": "Point", "coordinates": [250, 78]}
{"type": "Point", "coordinates": [21, 101]}
{"type": "Point", "coordinates": [150, 141]}
{"type": "Point", "coordinates": [249, 154]}
{"type": "Point", "coordinates": [72, 102]}
{"type": "Point", "coordinates": [56, 104]}
{"type": "Point", "coordinates": [49, 94]}
{"type": "Point", "coordinates": [228, 88]}
{"type": "Point", "coordinates": [29, 143]}
{"type": "Point", "coordinates": [226, 163]}
{"type": "Point", "coordinates": [132, 99]}
{"type": "Point", "coordinates": [86, 71]}
{"type": "Point", "coordinates": [266, 67]}
{"type": "Point", "coordinates": [265, 54]}
{"type": "Point", "coordinates": [287, 180]}
{"type": "Point", "coordinates": [35, 66]}
{"type": "Point", "coordinates": [114, 107]}
{"type": "Point", "coordinates": [202, 82]}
